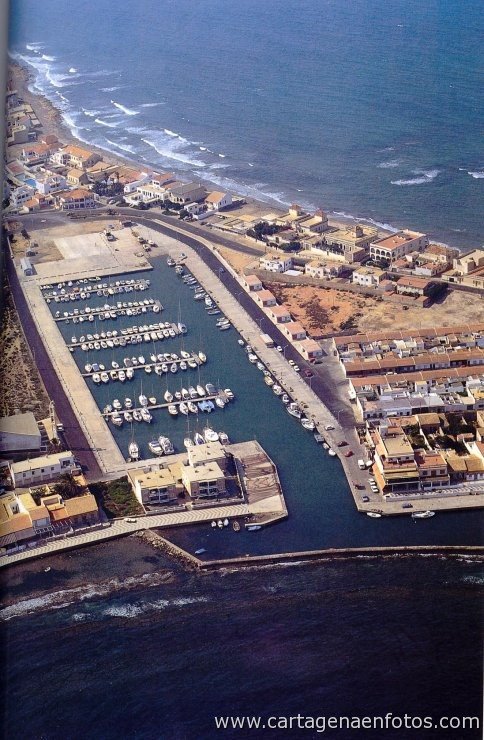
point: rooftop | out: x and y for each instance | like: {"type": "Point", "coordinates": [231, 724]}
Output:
{"type": "Point", "coordinates": [24, 424]}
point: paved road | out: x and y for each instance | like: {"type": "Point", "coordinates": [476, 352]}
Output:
{"type": "Point", "coordinates": [73, 435]}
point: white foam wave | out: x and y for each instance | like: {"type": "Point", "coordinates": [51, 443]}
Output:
{"type": "Point", "coordinates": [477, 175]}
{"type": "Point", "coordinates": [48, 58]}
{"type": "Point", "coordinates": [64, 598]}
{"type": "Point", "coordinates": [34, 46]}
{"type": "Point", "coordinates": [128, 111]}
{"type": "Point", "coordinates": [203, 148]}
{"type": "Point", "coordinates": [366, 220]}
{"type": "Point", "coordinates": [250, 164]}
{"type": "Point", "coordinates": [112, 89]}
{"type": "Point", "coordinates": [123, 147]}
{"type": "Point", "coordinates": [151, 105]}
{"type": "Point", "coordinates": [222, 155]}
{"type": "Point", "coordinates": [90, 113]}
{"type": "Point", "coordinates": [105, 123]}
{"type": "Point", "coordinates": [219, 166]}
{"type": "Point", "coordinates": [168, 144]}
{"type": "Point", "coordinates": [131, 611]}
{"type": "Point", "coordinates": [423, 177]}
{"type": "Point", "coordinates": [72, 70]}
{"type": "Point", "coordinates": [390, 164]}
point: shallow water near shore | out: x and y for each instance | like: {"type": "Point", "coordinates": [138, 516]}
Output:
{"type": "Point", "coordinates": [318, 116]}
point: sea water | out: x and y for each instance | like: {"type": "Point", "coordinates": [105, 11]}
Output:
{"type": "Point", "coordinates": [365, 109]}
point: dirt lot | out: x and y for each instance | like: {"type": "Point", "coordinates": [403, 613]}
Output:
{"type": "Point", "coordinates": [20, 383]}
{"type": "Point", "coordinates": [45, 251]}
{"type": "Point", "coordinates": [323, 311]}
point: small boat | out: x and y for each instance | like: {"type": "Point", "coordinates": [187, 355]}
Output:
{"type": "Point", "coordinates": [168, 396]}
{"type": "Point", "coordinates": [269, 381]}
{"type": "Point", "coordinates": [172, 409]}
{"type": "Point", "coordinates": [185, 394]}
{"type": "Point", "coordinates": [122, 375]}
{"type": "Point", "coordinates": [46, 570]}
{"type": "Point", "coordinates": [220, 402]}
{"type": "Point", "coordinates": [200, 551]}
{"type": "Point", "coordinates": [423, 514]}
{"type": "Point", "coordinates": [210, 435]}
{"type": "Point", "coordinates": [252, 527]}
{"type": "Point", "coordinates": [188, 442]}
{"type": "Point", "coordinates": [213, 524]}
{"type": "Point", "coordinates": [211, 390]}
{"type": "Point", "coordinates": [294, 410]}
{"type": "Point", "coordinates": [117, 419]}
{"type": "Point", "coordinates": [192, 407]}
{"type": "Point", "coordinates": [277, 390]}
{"type": "Point", "coordinates": [220, 524]}
{"type": "Point", "coordinates": [199, 440]}
{"type": "Point", "coordinates": [331, 452]}
{"type": "Point", "coordinates": [226, 522]}
{"type": "Point", "coordinates": [308, 424]}
{"type": "Point", "coordinates": [225, 327]}
{"type": "Point", "coordinates": [128, 417]}
{"type": "Point", "coordinates": [152, 400]}
{"type": "Point", "coordinates": [105, 377]}
{"type": "Point", "coordinates": [183, 408]}
{"type": "Point", "coordinates": [224, 438]}
{"type": "Point", "coordinates": [137, 415]}
{"type": "Point", "coordinates": [236, 526]}
{"type": "Point", "coordinates": [202, 356]}
{"type": "Point", "coordinates": [155, 447]}
{"type": "Point", "coordinates": [373, 514]}
{"type": "Point", "coordinates": [241, 342]}
{"type": "Point", "coordinates": [229, 394]}
{"type": "Point", "coordinates": [166, 445]}
{"type": "Point", "coordinates": [173, 367]}
{"type": "Point", "coordinates": [133, 451]}
{"type": "Point", "coordinates": [128, 403]}
{"type": "Point", "coordinates": [201, 391]}
{"type": "Point", "coordinates": [143, 401]}
{"type": "Point", "coordinates": [145, 415]}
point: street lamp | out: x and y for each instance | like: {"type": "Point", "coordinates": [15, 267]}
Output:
{"type": "Point", "coordinates": [338, 413]}
{"type": "Point", "coordinates": [259, 321]}
{"type": "Point", "coordinates": [284, 350]}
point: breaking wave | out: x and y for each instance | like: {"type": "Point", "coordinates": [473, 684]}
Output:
{"type": "Point", "coordinates": [423, 178]}
{"type": "Point", "coordinates": [123, 147]}
{"type": "Point", "coordinates": [477, 175]}
{"type": "Point", "coordinates": [105, 123]}
{"type": "Point", "coordinates": [168, 144]}
{"type": "Point", "coordinates": [131, 611]}
{"type": "Point", "coordinates": [128, 111]}
{"type": "Point", "coordinates": [48, 58]}
{"type": "Point", "coordinates": [390, 164]}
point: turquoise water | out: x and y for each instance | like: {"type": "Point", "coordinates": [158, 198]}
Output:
{"type": "Point", "coordinates": [322, 511]}
{"type": "Point", "coordinates": [369, 109]}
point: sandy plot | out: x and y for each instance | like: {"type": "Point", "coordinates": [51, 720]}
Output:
{"type": "Point", "coordinates": [84, 245]}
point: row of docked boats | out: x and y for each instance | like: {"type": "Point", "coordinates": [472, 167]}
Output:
{"type": "Point", "coordinates": [160, 364]}
{"type": "Point", "coordinates": [107, 311]}
{"type": "Point", "coordinates": [292, 407]}
{"type": "Point", "coordinates": [210, 305]}
{"type": "Point", "coordinates": [207, 435]}
{"type": "Point", "coordinates": [135, 335]}
{"type": "Point", "coordinates": [77, 292]}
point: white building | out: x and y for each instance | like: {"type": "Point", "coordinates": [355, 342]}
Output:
{"type": "Point", "coordinates": [397, 245]}
{"type": "Point", "coordinates": [42, 469]}
{"type": "Point", "coordinates": [49, 183]}
{"type": "Point", "coordinates": [273, 263]}
{"type": "Point", "coordinates": [217, 200]}
{"type": "Point", "coordinates": [369, 277]}
{"type": "Point", "coordinates": [21, 195]}
{"type": "Point", "coordinates": [131, 187]}
{"type": "Point", "coordinates": [19, 433]}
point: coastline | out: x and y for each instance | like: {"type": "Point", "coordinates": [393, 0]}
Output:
{"type": "Point", "coordinates": [52, 122]}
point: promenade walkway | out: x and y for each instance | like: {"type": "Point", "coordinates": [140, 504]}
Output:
{"type": "Point", "coordinates": [121, 527]}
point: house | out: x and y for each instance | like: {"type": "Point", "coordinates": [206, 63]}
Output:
{"type": "Point", "coordinates": [313, 224]}
{"type": "Point", "coordinates": [150, 193]}
{"type": "Point", "coordinates": [37, 153]}
{"type": "Point", "coordinates": [38, 513]}
{"type": "Point", "coordinates": [265, 298]}
{"type": "Point", "coordinates": [291, 218]}
{"type": "Point", "coordinates": [38, 203]}
{"type": "Point", "coordinates": [75, 157]}
{"type": "Point", "coordinates": [310, 350]}
{"type": "Point", "coordinates": [15, 523]}
{"type": "Point", "coordinates": [154, 485]}
{"type": "Point", "coordinates": [293, 330]}
{"type": "Point", "coordinates": [414, 286]}
{"type": "Point", "coordinates": [218, 200]}
{"type": "Point", "coordinates": [41, 469]}
{"type": "Point", "coordinates": [196, 209]}
{"type": "Point", "coordinates": [279, 314]}
{"type": "Point", "coordinates": [395, 468]}
{"type": "Point", "coordinates": [100, 171]}
{"type": "Point", "coordinates": [77, 178]}
{"type": "Point", "coordinates": [369, 277]}
{"type": "Point", "coordinates": [49, 182]}
{"type": "Point", "coordinates": [284, 238]}
{"type": "Point", "coordinates": [469, 262]}
{"type": "Point", "coordinates": [20, 195]}
{"type": "Point", "coordinates": [76, 199]}
{"type": "Point", "coordinates": [397, 245]}
{"type": "Point", "coordinates": [162, 179]}
{"type": "Point", "coordinates": [186, 193]}
{"type": "Point", "coordinates": [323, 270]}
{"type": "Point", "coordinates": [20, 433]}
{"type": "Point", "coordinates": [273, 263]}
{"type": "Point", "coordinates": [252, 283]}
{"type": "Point", "coordinates": [207, 453]}
{"type": "Point", "coordinates": [136, 179]}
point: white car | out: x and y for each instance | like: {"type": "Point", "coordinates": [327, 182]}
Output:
{"type": "Point", "coordinates": [297, 369]}
{"type": "Point", "coordinates": [130, 520]}
{"type": "Point", "coordinates": [329, 427]}
{"type": "Point", "coordinates": [291, 362]}
{"type": "Point", "coordinates": [279, 348]}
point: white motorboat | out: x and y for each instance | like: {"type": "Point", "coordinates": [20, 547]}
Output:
{"type": "Point", "coordinates": [229, 394]}
{"type": "Point", "coordinates": [202, 356]}
{"type": "Point", "coordinates": [155, 447]}
{"type": "Point", "coordinates": [373, 514]}
{"type": "Point", "coordinates": [172, 409]}
{"type": "Point", "coordinates": [220, 402]}
{"type": "Point", "coordinates": [331, 452]}
{"type": "Point", "coordinates": [201, 391]}
{"type": "Point", "coordinates": [198, 438]}
{"type": "Point", "coordinates": [145, 415]}
{"type": "Point", "coordinates": [183, 408]}
{"type": "Point", "coordinates": [133, 451]}
{"type": "Point", "coordinates": [188, 442]}
{"type": "Point", "coordinates": [294, 410]}
{"type": "Point", "coordinates": [168, 396]}
{"type": "Point", "coordinates": [423, 514]}
{"type": "Point", "coordinates": [241, 342]}
{"type": "Point", "coordinates": [166, 445]}
{"type": "Point", "coordinates": [192, 407]}
{"type": "Point", "coordinates": [143, 401]}
{"type": "Point", "coordinates": [308, 424]}
{"type": "Point", "coordinates": [210, 435]}
{"type": "Point", "coordinates": [223, 438]}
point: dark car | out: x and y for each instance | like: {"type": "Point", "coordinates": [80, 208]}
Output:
{"type": "Point", "coordinates": [308, 374]}
{"type": "Point", "coordinates": [348, 453]}
{"type": "Point", "coordinates": [365, 499]}
{"type": "Point", "coordinates": [343, 443]}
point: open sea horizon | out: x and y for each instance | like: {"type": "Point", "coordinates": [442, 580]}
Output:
{"type": "Point", "coordinates": [369, 110]}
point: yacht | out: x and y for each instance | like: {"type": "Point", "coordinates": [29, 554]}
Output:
{"type": "Point", "coordinates": [133, 451]}
{"type": "Point", "coordinates": [155, 447]}
{"type": "Point", "coordinates": [166, 445]}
